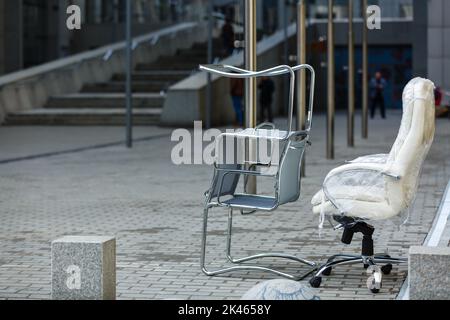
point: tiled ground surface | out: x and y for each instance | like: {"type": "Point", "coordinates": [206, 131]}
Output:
{"type": "Point", "coordinates": [155, 210]}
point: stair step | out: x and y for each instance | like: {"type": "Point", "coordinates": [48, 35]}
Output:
{"type": "Point", "coordinates": [104, 100]}
{"type": "Point", "coordinates": [217, 43]}
{"type": "Point", "coordinates": [189, 53]}
{"type": "Point", "coordinates": [155, 75]}
{"type": "Point", "coordinates": [175, 65]}
{"type": "Point", "coordinates": [119, 86]}
{"type": "Point", "coordinates": [82, 117]}
{"type": "Point", "coordinates": [179, 58]}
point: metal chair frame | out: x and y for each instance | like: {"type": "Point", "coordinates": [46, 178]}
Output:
{"type": "Point", "coordinates": [294, 140]}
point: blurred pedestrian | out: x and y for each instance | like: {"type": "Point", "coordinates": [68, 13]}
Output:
{"type": "Point", "coordinates": [228, 37]}
{"type": "Point", "coordinates": [267, 89]}
{"type": "Point", "coordinates": [237, 95]}
{"type": "Point", "coordinates": [377, 87]}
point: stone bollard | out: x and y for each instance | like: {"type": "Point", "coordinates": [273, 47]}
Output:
{"type": "Point", "coordinates": [429, 273]}
{"type": "Point", "coordinates": [84, 268]}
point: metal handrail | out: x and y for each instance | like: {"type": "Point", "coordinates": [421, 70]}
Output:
{"type": "Point", "coordinates": [235, 72]}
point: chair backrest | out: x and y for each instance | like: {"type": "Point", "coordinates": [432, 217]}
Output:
{"type": "Point", "coordinates": [413, 142]}
{"type": "Point", "coordinates": [289, 175]}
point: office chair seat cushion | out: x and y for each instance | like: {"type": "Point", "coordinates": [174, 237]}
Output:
{"type": "Point", "coordinates": [359, 209]}
{"type": "Point", "coordinates": [361, 193]}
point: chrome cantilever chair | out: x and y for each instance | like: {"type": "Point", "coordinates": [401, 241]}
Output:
{"type": "Point", "coordinates": [378, 187]}
{"type": "Point", "coordinates": [285, 171]}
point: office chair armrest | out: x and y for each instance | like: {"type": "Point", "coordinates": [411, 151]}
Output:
{"type": "Point", "coordinates": [235, 172]}
{"type": "Point", "coordinates": [377, 167]}
{"type": "Point", "coordinates": [245, 172]}
{"type": "Point", "coordinates": [362, 176]}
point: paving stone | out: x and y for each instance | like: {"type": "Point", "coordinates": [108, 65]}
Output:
{"type": "Point", "coordinates": [429, 273]}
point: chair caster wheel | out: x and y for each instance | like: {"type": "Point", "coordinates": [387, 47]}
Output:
{"type": "Point", "coordinates": [374, 283]}
{"type": "Point", "coordinates": [386, 269]}
{"type": "Point", "coordinates": [366, 266]}
{"type": "Point", "coordinates": [327, 271]}
{"type": "Point", "coordinates": [315, 282]}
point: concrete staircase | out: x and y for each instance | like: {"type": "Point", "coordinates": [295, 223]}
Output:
{"type": "Point", "coordinates": [104, 103]}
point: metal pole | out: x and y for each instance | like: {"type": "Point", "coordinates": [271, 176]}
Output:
{"type": "Point", "coordinates": [365, 74]}
{"type": "Point", "coordinates": [129, 66]}
{"type": "Point", "coordinates": [251, 87]}
{"type": "Point", "coordinates": [286, 54]}
{"type": "Point", "coordinates": [351, 78]}
{"type": "Point", "coordinates": [301, 54]}
{"type": "Point", "coordinates": [301, 59]}
{"type": "Point", "coordinates": [331, 89]}
{"type": "Point", "coordinates": [210, 60]}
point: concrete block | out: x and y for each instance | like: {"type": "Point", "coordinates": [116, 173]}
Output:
{"type": "Point", "coordinates": [84, 268]}
{"type": "Point", "coordinates": [429, 273]}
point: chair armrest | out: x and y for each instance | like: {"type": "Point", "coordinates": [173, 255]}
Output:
{"type": "Point", "coordinates": [357, 175]}
{"type": "Point", "coordinates": [245, 172]}
{"type": "Point", "coordinates": [235, 172]}
{"type": "Point", "coordinates": [377, 167]}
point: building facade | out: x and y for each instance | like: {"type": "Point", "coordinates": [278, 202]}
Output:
{"type": "Point", "coordinates": [438, 39]}
{"type": "Point", "coordinates": [33, 31]}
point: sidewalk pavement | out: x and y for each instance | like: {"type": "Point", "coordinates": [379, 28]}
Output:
{"type": "Point", "coordinates": [154, 208]}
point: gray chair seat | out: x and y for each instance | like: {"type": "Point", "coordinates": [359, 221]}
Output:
{"type": "Point", "coordinates": [253, 201]}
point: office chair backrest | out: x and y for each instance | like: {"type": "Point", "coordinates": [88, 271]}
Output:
{"type": "Point", "coordinates": [289, 177]}
{"type": "Point", "coordinates": [412, 144]}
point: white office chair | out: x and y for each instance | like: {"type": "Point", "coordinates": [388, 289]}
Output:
{"type": "Point", "coordinates": [378, 187]}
